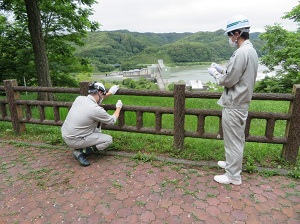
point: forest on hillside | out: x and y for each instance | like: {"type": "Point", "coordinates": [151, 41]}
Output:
{"type": "Point", "coordinates": [108, 50]}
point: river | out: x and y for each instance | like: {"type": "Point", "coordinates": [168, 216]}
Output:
{"type": "Point", "coordinates": [199, 72]}
{"type": "Point", "coordinates": [186, 73]}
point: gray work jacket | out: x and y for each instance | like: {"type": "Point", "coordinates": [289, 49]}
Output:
{"type": "Point", "coordinates": [83, 118]}
{"type": "Point", "coordinates": [239, 78]}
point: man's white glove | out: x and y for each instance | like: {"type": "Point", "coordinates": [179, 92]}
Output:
{"type": "Point", "coordinates": [217, 67]}
{"type": "Point", "coordinates": [113, 89]}
{"type": "Point", "coordinates": [119, 104]}
{"type": "Point", "coordinates": [213, 72]}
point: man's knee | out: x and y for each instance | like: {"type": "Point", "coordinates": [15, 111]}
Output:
{"type": "Point", "coordinates": [106, 142]}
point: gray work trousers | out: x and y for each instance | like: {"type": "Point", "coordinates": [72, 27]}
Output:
{"type": "Point", "coordinates": [102, 141]}
{"type": "Point", "coordinates": [233, 125]}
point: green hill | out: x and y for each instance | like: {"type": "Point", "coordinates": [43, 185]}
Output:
{"type": "Point", "coordinates": [109, 49]}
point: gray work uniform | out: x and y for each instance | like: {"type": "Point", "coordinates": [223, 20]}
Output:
{"type": "Point", "coordinates": [79, 129]}
{"type": "Point", "coordinates": [238, 82]}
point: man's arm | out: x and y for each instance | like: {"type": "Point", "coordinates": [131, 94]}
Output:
{"type": "Point", "coordinates": [112, 91]}
{"type": "Point", "coordinates": [235, 69]}
{"type": "Point", "coordinates": [119, 106]}
{"type": "Point", "coordinates": [117, 112]}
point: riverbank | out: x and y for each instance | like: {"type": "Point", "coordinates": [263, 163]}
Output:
{"type": "Point", "coordinates": [183, 73]}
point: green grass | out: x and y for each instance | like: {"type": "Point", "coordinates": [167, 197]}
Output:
{"type": "Point", "coordinates": [255, 154]}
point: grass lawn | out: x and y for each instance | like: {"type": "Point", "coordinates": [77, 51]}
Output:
{"type": "Point", "coordinates": [196, 149]}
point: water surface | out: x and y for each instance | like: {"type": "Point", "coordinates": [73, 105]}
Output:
{"type": "Point", "coordinates": [185, 73]}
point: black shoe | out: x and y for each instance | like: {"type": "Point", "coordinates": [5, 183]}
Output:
{"type": "Point", "coordinates": [81, 158]}
{"type": "Point", "coordinates": [91, 150]}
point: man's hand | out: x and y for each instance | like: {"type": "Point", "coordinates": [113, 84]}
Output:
{"type": "Point", "coordinates": [119, 104]}
{"type": "Point", "coordinates": [213, 72]}
{"type": "Point", "coordinates": [113, 89]}
{"type": "Point", "coordinates": [217, 67]}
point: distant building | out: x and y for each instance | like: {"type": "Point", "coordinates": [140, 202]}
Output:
{"type": "Point", "coordinates": [196, 85]}
{"type": "Point", "coordinates": [153, 69]}
{"type": "Point", "coordinates": [136, 73]}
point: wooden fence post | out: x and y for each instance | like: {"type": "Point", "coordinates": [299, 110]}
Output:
{"type": "Point", "coordinates": [179, 116]}
{"type": "Point", "coordinates": [291, 148]}
{"type": "Point", "coordinates": [15, 110]}
{"type": "Point", "coordinates": [84, 87]}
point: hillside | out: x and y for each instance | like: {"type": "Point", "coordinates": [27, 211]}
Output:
{"type": "Point", "coordinates": [110, 49]}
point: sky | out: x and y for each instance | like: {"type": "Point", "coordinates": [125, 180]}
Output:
{"type": "Point", "coordinates": [167, 16]}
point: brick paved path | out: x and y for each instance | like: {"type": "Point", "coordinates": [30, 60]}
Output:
{"type": "Point", "coordinates": [40, 185]}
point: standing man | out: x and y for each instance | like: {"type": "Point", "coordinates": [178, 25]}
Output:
{"type": "Point", "coordinates": [81, 129]}
{"type": "Point", "coordinates": [238, 80]}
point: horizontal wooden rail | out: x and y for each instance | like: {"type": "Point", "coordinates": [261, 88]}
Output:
{"type": "Point", "coordinates": [20, 112]}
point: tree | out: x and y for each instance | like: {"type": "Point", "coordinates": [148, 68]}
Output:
{"type": "Point", "coordinates": [54, 27]}
{"type": "Point", "coordinates": [39, 49]}
{"type": "Point", "coordinates": [283, 49]}
{"type": "Point", "coordinates": [16, 54]}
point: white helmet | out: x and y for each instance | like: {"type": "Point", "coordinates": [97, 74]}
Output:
{"type": "Point", "coordinates": [238, 23]}
{"type": "Point", "coordinates": [95, 87]}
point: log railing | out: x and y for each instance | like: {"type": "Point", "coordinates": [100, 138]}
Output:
{"type": "Point", "coordinates": [19, 112]}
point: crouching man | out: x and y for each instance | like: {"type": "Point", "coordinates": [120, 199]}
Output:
{"type": "Point", "coordinates": [81, 129]}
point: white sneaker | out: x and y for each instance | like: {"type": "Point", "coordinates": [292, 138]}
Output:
{"type": "Point", "coordinates": [223, 179]}
{"type": "Point", "coordinates": [222, 164]}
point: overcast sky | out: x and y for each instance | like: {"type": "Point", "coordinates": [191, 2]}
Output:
{"type": "Point", "coordinates": [164, 16]}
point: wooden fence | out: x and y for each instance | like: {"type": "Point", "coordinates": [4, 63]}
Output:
{"type": "Point", "coordinates": [19, 112]}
